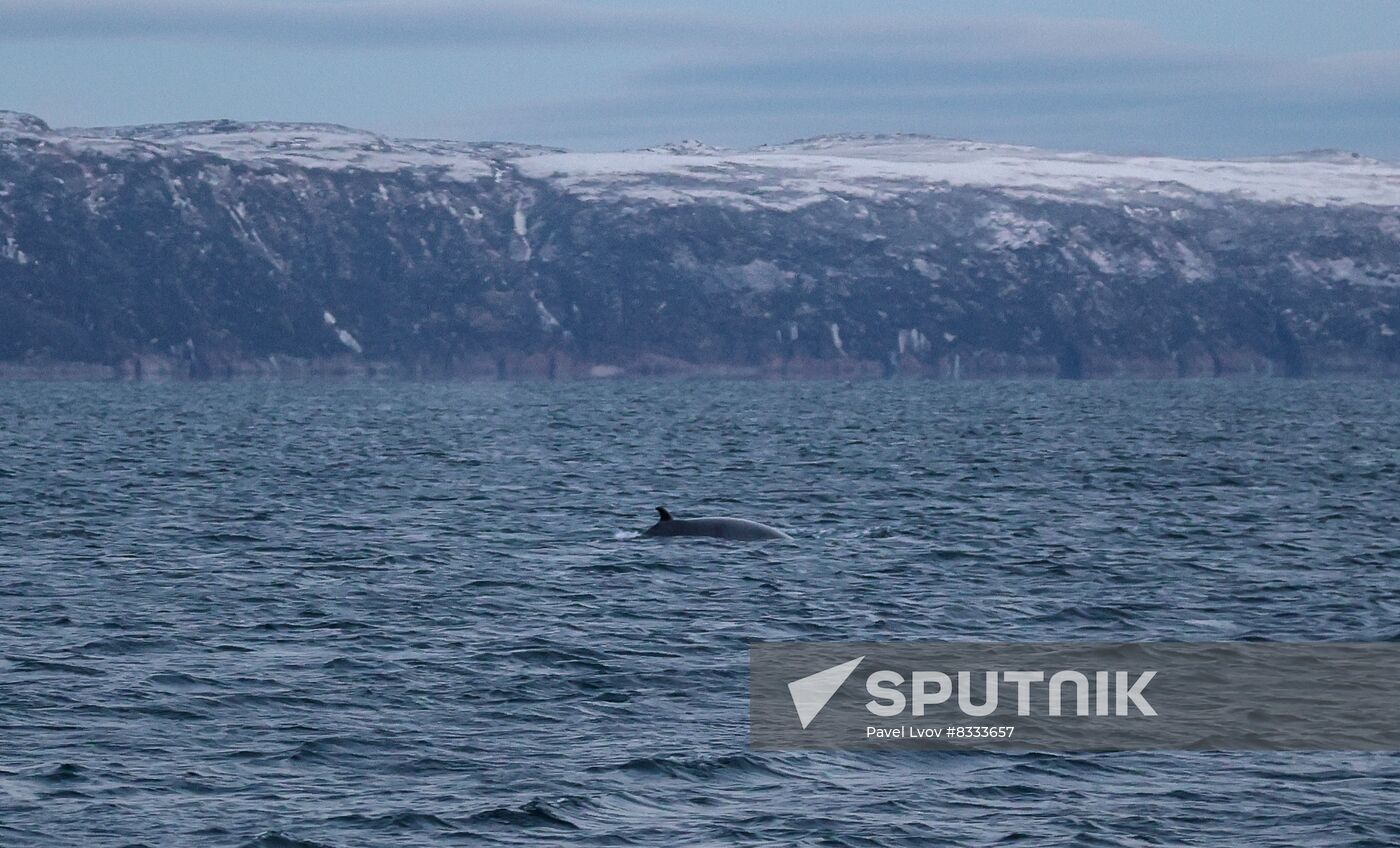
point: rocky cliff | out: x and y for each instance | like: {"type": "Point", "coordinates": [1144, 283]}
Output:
{"type": "Point", "coordinates": [217, 248]}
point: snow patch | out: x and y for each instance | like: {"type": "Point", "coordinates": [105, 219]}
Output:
{"type": "Point", "coordinates": [1102, 261]}
{"type": "Point", "coordinates": [926, 268]}
{"type": "Point", "coordinates": [1009, 231]}
{"type": "Point", "coordinates": [520, 249]}
{"type": "Point", "coordinates": [913, 341]}
{"type": "Point", "coordinates": [759, 275]}
{"type": "Point", "coordinates": [10, 250]}
{"type": "Point", "coordinates": [348, 340]}
{"type": "Point", "coordinates": [547, 319]}
{"type": "Point", "coordinates": [340, 333]}
{"type": "Point", "coordinates": [1343, 270]}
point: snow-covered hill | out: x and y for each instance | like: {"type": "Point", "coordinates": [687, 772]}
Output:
{"type": "Point", "coordinates": [809, 171]}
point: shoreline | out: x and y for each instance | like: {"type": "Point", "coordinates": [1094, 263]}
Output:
{"type": "Point", "coordinates": [978, 366]}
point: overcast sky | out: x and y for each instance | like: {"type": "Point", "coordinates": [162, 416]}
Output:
{"type": "Point", "coordinates": [1193, 77]}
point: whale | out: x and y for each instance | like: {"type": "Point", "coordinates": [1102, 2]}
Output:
{"type": "Point", "coordinates": [736, 529]}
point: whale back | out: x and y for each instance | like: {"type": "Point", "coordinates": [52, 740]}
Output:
{"type": "Point", "coordinates": [737, 529]}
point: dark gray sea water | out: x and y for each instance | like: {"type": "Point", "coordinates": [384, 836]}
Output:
{"type": "Point", "coordinates": [348, 614]}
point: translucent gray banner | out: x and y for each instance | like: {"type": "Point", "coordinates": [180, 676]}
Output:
{"type": "Point", "coordinates": [1208, 696]}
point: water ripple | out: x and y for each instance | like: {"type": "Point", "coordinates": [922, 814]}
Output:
{"type": "Point", "coordinates": [341, 614]}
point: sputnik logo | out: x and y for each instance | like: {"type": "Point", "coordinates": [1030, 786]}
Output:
{"type": "Point", "coordinates": [810, 694]}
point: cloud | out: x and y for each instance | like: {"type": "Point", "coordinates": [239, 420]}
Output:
{"type": "Point", "coordinates": [1060, 82]}
{"type": "Point", "coordinates": [1033, 55]}
{"type": "Point", "coordinates": [342, 22]}
{"type": "Point", "coordinates": [601, 22]}
{"type": "Point", "coordinates": [1093, 84]}
{"type": "Point", "coordinates": [645, 72]}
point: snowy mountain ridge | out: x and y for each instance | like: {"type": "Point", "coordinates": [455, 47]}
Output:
{"type": "Point", "coordinates": [777, 175]}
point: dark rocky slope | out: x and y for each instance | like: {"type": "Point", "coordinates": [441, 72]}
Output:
{"type": "Point", "coordinates": [219, 248]}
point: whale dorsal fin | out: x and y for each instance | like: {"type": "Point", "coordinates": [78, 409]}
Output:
{"type": "Point", "coordinates": [665, 516]}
